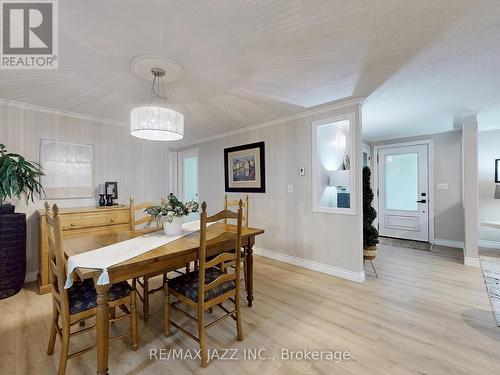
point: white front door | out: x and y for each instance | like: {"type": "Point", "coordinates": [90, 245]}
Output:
{"type": "Point", "coordinates": [403, 178]}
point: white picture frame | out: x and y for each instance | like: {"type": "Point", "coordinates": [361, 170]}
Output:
{"type": "Point", "coordinates": [68, 169]}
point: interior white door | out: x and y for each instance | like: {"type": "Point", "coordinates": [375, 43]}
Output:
{"type": "Point", "coordinates": [187, 174]}
{"type": "Point", "coordinates": [403, 178]}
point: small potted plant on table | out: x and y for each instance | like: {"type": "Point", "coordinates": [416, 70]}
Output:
{"type": "Point", "coordinates": [370, 233]}
{"type": "Point", "coordinates": [170, 212]}
{"type": "Point", "coordinates": [17, 177]}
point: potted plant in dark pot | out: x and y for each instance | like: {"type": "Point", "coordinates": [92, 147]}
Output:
{"type": "Point", "coordinates": [370, 233]}
{"type": "Point", "coordinates": [18, 177]}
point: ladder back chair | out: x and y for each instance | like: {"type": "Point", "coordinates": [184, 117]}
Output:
{"type": "Point", "coordinates": [134, 223]}
{"type": "Point", "coordinates": [209, 286]}
{"type": "Point", "coordinates": [235, 203]}
{"type": "Point", "coordinates": [74, 306]}
{"type": "Point", "coordinates": [228, 204]}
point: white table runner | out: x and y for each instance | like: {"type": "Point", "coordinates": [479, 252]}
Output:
{"type": "Point", "coordinates": [108, 256]}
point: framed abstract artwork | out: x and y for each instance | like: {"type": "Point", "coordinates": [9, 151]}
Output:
{"type": "Point", "coordinates": [68, 170]}
{"type": "Point", "coordinates": [244, 168]}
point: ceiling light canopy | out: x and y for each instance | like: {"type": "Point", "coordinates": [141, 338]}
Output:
{"type": "Point", "coordinates": [156, 121]}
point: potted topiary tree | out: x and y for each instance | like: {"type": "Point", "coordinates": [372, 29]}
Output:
{"type": "Point", "coordinates": [18, 177]}
{"type": "Point", "coordinates": [370, 233]}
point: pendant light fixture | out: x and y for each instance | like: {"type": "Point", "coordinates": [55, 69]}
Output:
{"type": "Point", "coordinates": [156, 121]}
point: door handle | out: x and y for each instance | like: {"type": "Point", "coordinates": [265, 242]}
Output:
{"type": "Point", "coordinates": [422, 201]}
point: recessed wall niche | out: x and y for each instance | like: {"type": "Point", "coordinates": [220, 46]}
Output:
{"type": "Point", "coordinates": [333, 174]}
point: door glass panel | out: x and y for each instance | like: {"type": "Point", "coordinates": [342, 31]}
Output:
{"type": "Point", "coordinates": [191, 184]}
{"type": "Point", "coordinates": [401, 182]}
{"type": "Point", "coordinates": [190, 178]}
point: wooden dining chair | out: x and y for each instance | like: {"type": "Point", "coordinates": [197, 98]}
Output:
{"type": "Point", "coordinates": [228, 204]}
{"type": "Point", "coordinates": [137, 225]}
{"type": "Point", "coordinates": [209, 286]}
{"type": "Point", "coordinates": [74, 306]}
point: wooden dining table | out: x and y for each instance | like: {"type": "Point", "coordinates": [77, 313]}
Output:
{"type": "Point", "coordinates": [169, 257]}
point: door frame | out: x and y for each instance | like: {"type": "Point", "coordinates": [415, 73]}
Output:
{"type": "Point", "coordinates": [181, 155]}
{"type": "Point", "coordinates": [430, 170]}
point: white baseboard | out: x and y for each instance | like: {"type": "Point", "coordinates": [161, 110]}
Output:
{"type": "Point", "coordinates": [471, 262]}
{"type": "Point", "coordinates": [488, 244]}
{"type": "Point", "coordinates": [358, 277]}
{"type": "Point", "coordinates": [449, 243]}
{"type": "Point", "coordinates": [30, 276]}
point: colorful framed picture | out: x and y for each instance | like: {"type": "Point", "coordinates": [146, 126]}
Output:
{"type": "Point", "coordinates": [244, 168]}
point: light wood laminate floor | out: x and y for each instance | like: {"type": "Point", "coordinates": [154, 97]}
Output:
{"type": "Point", "coordinates": [426, 314]}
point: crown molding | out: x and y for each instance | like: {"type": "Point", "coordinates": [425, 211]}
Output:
{"type": "Point", "coordinates": [81, 116]}
{"type": "Point", "coordinates": [311, 112]}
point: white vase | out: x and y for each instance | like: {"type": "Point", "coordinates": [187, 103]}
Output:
{"type": "Point", "coordinates": [175, 227]}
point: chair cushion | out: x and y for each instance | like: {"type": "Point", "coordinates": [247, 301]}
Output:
{"type": "Point", "coordinates": [82, 295]}
{"type": "Point", "coordinates": [187, 285]}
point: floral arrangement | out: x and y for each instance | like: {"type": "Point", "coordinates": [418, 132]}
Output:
{"type": "Point", "coordinates": [169, 208]}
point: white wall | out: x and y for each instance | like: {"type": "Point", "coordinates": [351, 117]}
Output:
{"type": "Point", "coordinates": [140, 167]}
{"type": "Point", "coordinates": [489, 208]}
{"type": "Point", "coordinates": [448, 210]}
{"type": "Point", "coordinates": [291, 227]}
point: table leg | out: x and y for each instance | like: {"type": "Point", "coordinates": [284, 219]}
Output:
{"type": "Point", "coordinates": [102, 323]}
{"type": "Point", "coordinates": [249, 276]}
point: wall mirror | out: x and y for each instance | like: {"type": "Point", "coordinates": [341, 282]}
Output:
{"type": "Point", "coordinates": [333, 162]}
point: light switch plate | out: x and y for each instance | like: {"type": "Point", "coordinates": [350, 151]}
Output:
{"type": "Point", "coordinates": [290, 189]}
{"type": "Point", "coordinates": [442, 186]}
{"type": "Point", "coordinates": [302, 171]}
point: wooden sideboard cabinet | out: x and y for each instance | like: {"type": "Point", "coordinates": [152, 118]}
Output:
{"type": "Point", "coordinates": [77, 221]}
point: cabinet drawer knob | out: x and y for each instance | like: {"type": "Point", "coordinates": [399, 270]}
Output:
{"type": "Point", "coordinates": [112, 220]}
{"type": "Point", "coordinates": [72, 224]}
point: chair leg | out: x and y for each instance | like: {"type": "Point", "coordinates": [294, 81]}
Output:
{"type": "Point", "coordinates": [63, 359]}
{"type": "Point", "coordinates": [374, 270]}
{"type": "Point", "coordinates": [112, 313]}
{"type": "Point", "coordinates": [166, 310]}
{"type": "Point", "coordinates": [133, 319]}
{"type": "Point", "coordinates": [145, 301]}
{"type": "Point", "coordinates": [188, 267]}
{"type": "Point", "coordinates": [245, 272]}
{"type": "Point", "coordinates": [53, 330]}
{"type": "Point", "coordinates": [201, 335]}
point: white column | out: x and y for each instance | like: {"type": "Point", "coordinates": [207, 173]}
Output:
{"type": "Point", "coordinates": [470, 189]}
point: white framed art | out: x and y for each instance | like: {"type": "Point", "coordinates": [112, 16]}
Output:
{"type": "Point", "coordinates": [68, 169]}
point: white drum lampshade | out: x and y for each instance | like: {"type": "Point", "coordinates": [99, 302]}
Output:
{"type": "Point", "coordinates": [156, 123]}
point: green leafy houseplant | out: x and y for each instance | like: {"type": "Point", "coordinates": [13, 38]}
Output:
{"type": "Point", "coordinates": [18, 176]}
{"type": "Point", "coordinates": [169, 208]}
{"type": "Point", "coordinates": [370, 233]}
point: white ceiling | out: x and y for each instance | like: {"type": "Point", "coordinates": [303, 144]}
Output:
{"type": "Point", "coordinates": [245, 62]}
